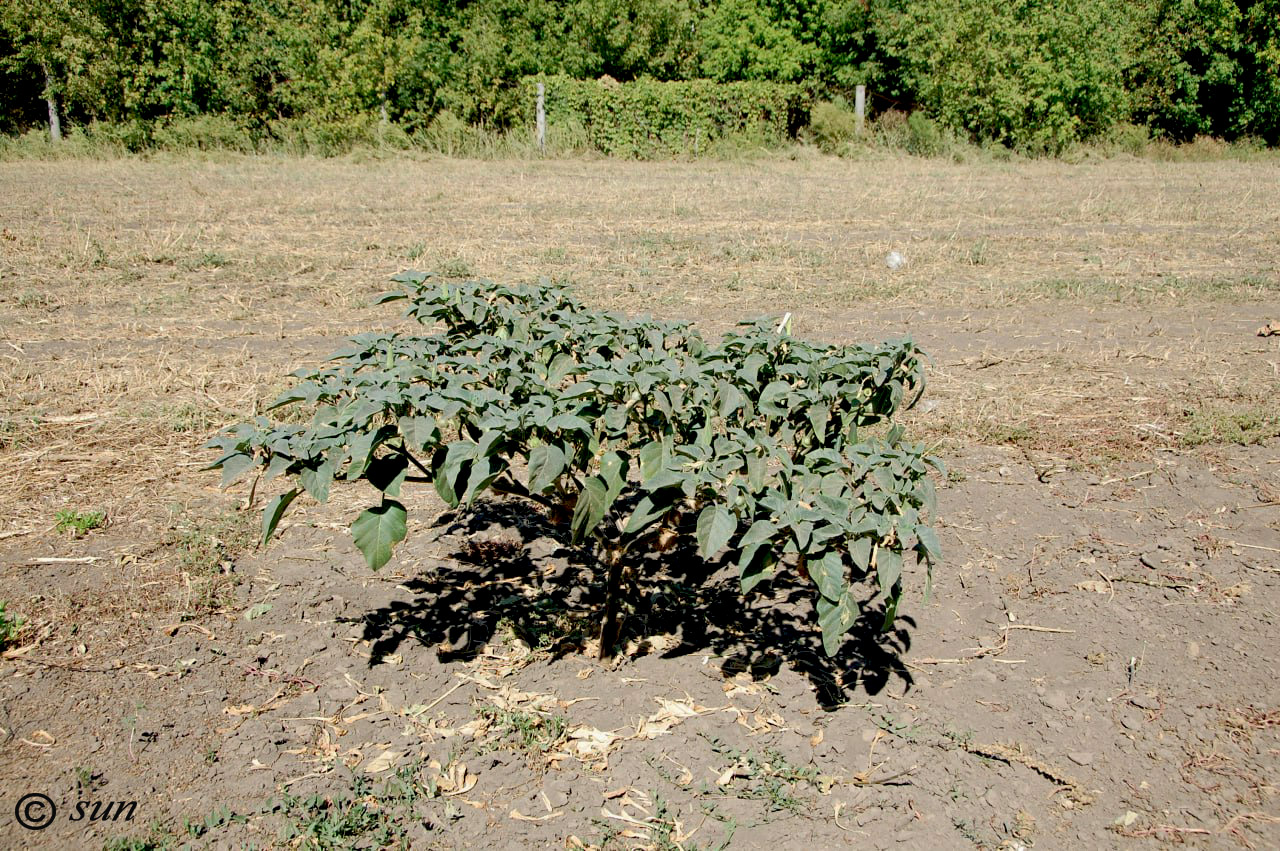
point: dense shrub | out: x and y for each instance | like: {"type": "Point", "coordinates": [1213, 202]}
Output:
{"type": "Point", "coordinates": [649, 118]}
{"type": "Point", "coordinates": [832, 124]}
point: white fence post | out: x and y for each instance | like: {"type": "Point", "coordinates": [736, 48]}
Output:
{"type": "Point", "coordinates": [542, 119]}
{"type": "Point", "coordinates": [860, 107]}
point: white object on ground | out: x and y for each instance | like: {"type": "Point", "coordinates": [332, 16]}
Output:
{"type": "Point", "coordinates": [894, 260]}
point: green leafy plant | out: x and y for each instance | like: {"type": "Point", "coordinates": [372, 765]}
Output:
{"type": "Point", "coordinates": [78, 522]}
{"type": "Point", "coordinates": [629, 432]}
{"type": "Point", "coordinates": [10, 626]}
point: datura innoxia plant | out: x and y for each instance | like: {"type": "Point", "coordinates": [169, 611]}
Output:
{"type": "Point", "coordinates": [630, 431]}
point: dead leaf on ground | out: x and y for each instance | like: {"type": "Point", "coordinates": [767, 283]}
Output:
{"type": "Point", "coordinates": [382, 762]}
{"type": "Point", "coordinates": [519, 816]}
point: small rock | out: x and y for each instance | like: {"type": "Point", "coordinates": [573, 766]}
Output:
{"type": "Point", "coordinates": [556, 568]}
{"type": "Point", "coordinates": [1193, 649]}
{"type": "Point", "coordinates": [1151, 560]}
{"type": "Point", "coordinates": [867, 816]}
{"type": "Point", "coordinates": [557, 794]}
{"type": "Point", "coordinates": [894, 260]}
{"type": "Point", "coordinates": [1056, 699]}
{"type": "Point", "coordinates": [540, 548]}
{"type": "Point", "coordinates": [1145, 701]}
{"type": "Point", "coordinates": [1131, 721]}
{"type": "Point", "coordinates": [1080, 757]}
{"type": "Point", "coordinates": [395, 697]}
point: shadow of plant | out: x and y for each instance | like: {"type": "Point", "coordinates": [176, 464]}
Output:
{"type": "Point", "coordinates": [552, 597]}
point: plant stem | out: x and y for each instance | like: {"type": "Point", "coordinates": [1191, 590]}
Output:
{"type": "Point", "coordinates": [613, 586]}
{"type": "Point", "coordinates": [514, 488]}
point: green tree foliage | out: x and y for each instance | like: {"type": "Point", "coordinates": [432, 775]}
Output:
{"type": "Point", "coordinates": [1188, 68]}
{"type": "Point", "coordinates": [1259, 112]}
{"type": "Point", "coordinates": [1034, 75]}
{"type": "Point", "coordinates": [1209, 67]}
{"type": "Point", "coordinates": [740, 40]}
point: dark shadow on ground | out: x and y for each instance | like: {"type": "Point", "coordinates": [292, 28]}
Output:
{"type": "Point", "coordinates": [529, 579]}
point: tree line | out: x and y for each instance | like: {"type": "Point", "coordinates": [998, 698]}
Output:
{"type": "Point", "coordinates": [1032, 74]}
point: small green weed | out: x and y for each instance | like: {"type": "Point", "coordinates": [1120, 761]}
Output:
{"type": "Point", "coordinates": [160, 838]}
{"type": "Point", "coordinates": [530, 732]}
{"type": "Point", "coordinates": [979, 253]}
{"type": "Point", "coordinates": [184, 418]}
{"type": "Point", "coordinates": [455, 267]}
{"type": "Point", "coordinates": [205, 551]}
{"type": "Point", "coordinates": [547, 626]}
{"type": "Point", "coordinates": [79, 522]}
{"type": "Point", "coordinates": [10, 626]}
{"type": "Point", "coordinates": [366, 818]}
{"type": "Point", "coordinates": [664, 830]}
{"type": "Point", "coordinates": [770, 776]}
{"type": "Point", "coordinates": [209, 260]}
{"type": "Point", "coordinates": [34, 300]}
{"type": "Point", "coordinates": [87, 780]}
{"type": "Point", "coordinates": [1246, 426]}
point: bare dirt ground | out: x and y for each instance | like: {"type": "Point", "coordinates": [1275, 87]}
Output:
{"type": "Point", "coordinates": [1096, 668]}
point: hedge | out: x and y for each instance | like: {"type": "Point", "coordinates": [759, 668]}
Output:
{"type": "Point", "coordinates": [651, 118]}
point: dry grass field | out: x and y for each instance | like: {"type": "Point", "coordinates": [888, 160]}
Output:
{"type": "Point", "coordinates": [1096, 667]}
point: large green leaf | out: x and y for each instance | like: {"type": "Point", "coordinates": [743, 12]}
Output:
{"type": "Point", "coordinates": [648, 510]}
{"type": "Point", "coordinates": [613, 470]}
{"type": "Point", "coordinates": [652, 456]}
{"type": "Point", "coordinates": [760, 531]}
{"type": "Point", "coordinates": [418, 432]}
{"type": "Point", "coordinates": [835, 619]}
{"type": "Point", "coordinates": [716, 525]}
{"type": "Point", "coordinates": [234, 466]}
{"type": "Point", "coordinates": [482, 474]}
{"type": "Point", "coordinates": [546, 462]}
{"type": "Point", "coordinates": [361, 452]}
{"type": "Point", "coordinates": [450, 477]}
{"type": "Point", "coordinates": [756, 564]}
{"type": "Point", "coordinates": [888, 567]}
{"type": "Point", "coordinates": [377, 530]}
{"type": "Point", "coordinates": [591, 508]}
{"type": "Point", "coordinates": [387, 473]}
{"type": "Point", "coordinates": [929, 543]}
{"type": "Point", "coordinates": [317, 479]}
{"type": "Point", "coordinates": [275, 510]}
